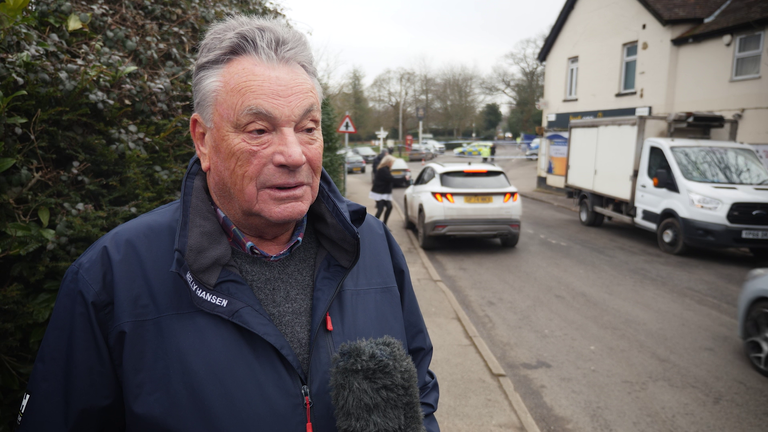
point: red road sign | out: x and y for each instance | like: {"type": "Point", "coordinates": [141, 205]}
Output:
{"type": "Point", "coordinates": [347, 126]}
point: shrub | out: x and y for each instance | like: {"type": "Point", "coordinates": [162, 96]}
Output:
{"type": "Point", "coordinates": [95, 98]}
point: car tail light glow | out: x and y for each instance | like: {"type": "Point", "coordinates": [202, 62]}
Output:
{"type": "Point", "coordinates": [511, 195]}
{"type": "Point", "coordinates": [440, 197]}
{"type": "Point", "coordinates": [475, 171]}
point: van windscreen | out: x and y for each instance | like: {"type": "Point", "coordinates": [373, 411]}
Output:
{"type": "Point", "coordinates": [474, 179]}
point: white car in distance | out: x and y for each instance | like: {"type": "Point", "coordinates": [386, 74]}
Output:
{"type": "Point", "coordinates": [463, 200]}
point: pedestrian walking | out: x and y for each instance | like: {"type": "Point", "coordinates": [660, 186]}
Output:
{"type": "Point", "coordinates": [493, 151]}
{"type": "Point", "coordinates": [223, 310]}
{"type": "Point", "coordinates": [381, 192]}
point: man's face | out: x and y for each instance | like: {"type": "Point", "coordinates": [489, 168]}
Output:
{"type": "Point", "coordinates": [263, 154]}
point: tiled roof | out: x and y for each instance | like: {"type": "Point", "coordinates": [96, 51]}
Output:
{"type": "Point", "coordinates": [739, 14]}
{"type": "Point", "coordinates": [668, 11]}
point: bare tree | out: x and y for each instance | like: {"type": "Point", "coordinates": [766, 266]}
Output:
{"type": "Point", "coordinates": [392, 89]}
{"type": "Point", "coordinates": [458, 96]}
{"type": "Point", "coordinates": [520, 76]}
{"type": "Point", "coordinates": [425, 84]}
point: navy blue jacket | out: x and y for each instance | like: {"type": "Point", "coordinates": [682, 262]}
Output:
{"type": "Point", "coordinates": [155, 330]}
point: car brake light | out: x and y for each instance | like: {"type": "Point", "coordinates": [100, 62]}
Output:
{"type": "Point", "coordinates": [510, 195]}
{"type": "Point", "coordinates": [475, 171]}
{"type": "Point", "coordinates": [439, 197]}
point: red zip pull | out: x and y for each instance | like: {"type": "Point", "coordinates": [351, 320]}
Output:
{"type": "Point", "coordinates": [308, 404]}
{"type": "Point", "coordinates": [328, 323]}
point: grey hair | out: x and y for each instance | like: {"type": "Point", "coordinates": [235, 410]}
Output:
{"type": "Point", "coordinates": [270, 41]}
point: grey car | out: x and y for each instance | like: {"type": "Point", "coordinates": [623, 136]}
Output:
{"type": "Point", "coordinates": [354, 163]}
{"type": "Point", "coordinates": [367, 153]}
{"type": "Point", "coordinates": [753, 318]}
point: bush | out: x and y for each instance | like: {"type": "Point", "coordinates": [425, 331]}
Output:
{"type": "Point", "coordinates": [95, 98]}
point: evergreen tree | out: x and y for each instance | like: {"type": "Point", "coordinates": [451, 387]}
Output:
{"type": "Point", "coordinates": [332, 162]}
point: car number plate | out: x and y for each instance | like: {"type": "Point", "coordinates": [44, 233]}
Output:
{"type": "Point", "coordinates": [478, 199]}
{"type": "Point", "coordinates": [396, 172]}
{"type": "Point", "coordinates": [752, 234]}
{"type": "Point", "coordinates": [356, 169]}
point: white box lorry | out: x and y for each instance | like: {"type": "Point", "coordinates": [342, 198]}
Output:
{"type": "Point", "coordinates": [681, 176]}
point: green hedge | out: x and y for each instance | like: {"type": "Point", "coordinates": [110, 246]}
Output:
{"type": "Point", "coordinates": [95, 98]}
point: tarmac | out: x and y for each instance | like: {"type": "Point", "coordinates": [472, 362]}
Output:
{"type": "Point", "coordinates": [475, 392]}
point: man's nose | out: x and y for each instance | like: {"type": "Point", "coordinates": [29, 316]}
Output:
{"type": "Point", "coordinates": [289, 152]}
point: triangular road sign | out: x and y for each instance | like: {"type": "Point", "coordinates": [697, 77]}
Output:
{"type": "Point", "coordinates": [347, 126]}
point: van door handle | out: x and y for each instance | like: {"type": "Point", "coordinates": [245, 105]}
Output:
{"type": "Point", "coordinates": [642, 185]}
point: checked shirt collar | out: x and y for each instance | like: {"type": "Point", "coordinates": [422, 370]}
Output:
{"type": "Point", "coordinates": [242, 243]}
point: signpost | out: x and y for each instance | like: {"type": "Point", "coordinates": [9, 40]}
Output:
{"type": "Point", "coordinates": [420, 111]}
{"type": "Point", "coordinates": [381, 134]}
{"type": "Point", "coordinates": [346, 127]}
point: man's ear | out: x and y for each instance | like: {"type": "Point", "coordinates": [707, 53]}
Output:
{"type": "Point", "coordinates": [199, 132]}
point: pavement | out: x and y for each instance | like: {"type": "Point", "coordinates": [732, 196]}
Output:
{"type": "Point", "coordinates": [475, 392]}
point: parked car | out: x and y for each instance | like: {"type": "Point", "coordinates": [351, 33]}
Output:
{"type": "Point", "coordinates": [463, 200]}
{"type": "Point", "coordinates": [401, 172]}
{"type": "Point", "coordinates": [420, 152]}
{"type": "Point", "coordinates": [367, 153]}
{"type": "Point", "coordinates": [435, 146]}
{"type": "Point", "coordinates": [753, 318]}
{"type": "Point", "coordinates": [473, 149]}
{"type": "Point", "coordinates": [354, 163]}
{"type": "Point", "coordinates": [532, 151]}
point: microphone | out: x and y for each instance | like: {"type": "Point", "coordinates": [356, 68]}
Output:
{"type": "Point", "coordinates": [374, 388]}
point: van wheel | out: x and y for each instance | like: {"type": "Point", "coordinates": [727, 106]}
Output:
{"type": "Point", "coordinates": [755, 340]}
{"type": "Point", "coordinates": [670, 237]}
{"type": "Point", "coordinates": [588, 217]}
{"type": "Point", "coordinates": [426, 242]}
{"type": "Point", "coordinates": [408, 223]}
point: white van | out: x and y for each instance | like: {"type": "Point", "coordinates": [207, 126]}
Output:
{"type": "Point", "coordinates": [691, 191]}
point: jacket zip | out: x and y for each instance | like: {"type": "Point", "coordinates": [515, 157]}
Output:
{"type": "Point", "coordinates": [305, 386]}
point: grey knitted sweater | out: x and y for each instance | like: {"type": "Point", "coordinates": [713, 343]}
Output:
{"type": "Point", "coordinates": [284, 288]}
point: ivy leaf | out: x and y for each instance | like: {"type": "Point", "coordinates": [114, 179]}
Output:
{"type": "Point", "coordinates": [18, 230]}
{"type": "Point", "coordinates": [44, 215]}
{"type": "Point", "coordinates": [48, 234]}
{"type": "Point", "coordinates": [6, 163]}
{"type": "Point", "coordinates": [126, 71]}
{"type": "Point", "coordinates": [74, 23]}
{"type": "Point", "coordinates": [16, 120]}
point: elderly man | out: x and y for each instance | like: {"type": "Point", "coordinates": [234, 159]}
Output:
{"type": "Point", "coordinates": [222, 311]}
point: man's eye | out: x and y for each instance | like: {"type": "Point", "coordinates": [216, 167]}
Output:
{"type": "Point", "coordinates": [259, 131]}
{"type": "Point", "coordinates": [310, 130]}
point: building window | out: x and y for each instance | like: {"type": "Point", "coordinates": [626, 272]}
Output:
{"type": "Point", "coordinates": [747, 55]}
{"type": "Point", "coordinates": [629, 68]}
{"type": "Point", "coordinates": [573, 74]}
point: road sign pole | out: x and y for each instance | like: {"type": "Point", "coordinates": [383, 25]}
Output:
{"type": "Point", "coordinates": [420, 123]}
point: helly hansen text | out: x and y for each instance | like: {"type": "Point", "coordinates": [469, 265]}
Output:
{"type": "Point", "coordinates": [203, 294]}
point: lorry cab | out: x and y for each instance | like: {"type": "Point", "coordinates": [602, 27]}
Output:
{"type": "Point", "coordinates": [702, 193]}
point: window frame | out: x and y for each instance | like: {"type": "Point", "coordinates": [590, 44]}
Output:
{"type": "Point", "coordinates": [571, 92]}
{"type": "Point", "coordinates": [624, 60]}
{"type": "Point", "coordinates": [737, 55]}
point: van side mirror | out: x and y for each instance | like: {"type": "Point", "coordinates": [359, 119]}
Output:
{"type": "Point", "coordinates": [662, 179]}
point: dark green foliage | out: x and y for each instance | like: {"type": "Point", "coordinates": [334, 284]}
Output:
{"type": "Point", "coordinates": [95, 98]}
{"type": "Point", "coordinates": [490, 117]}
{"type": "Point", "coordinates": [332, 162]}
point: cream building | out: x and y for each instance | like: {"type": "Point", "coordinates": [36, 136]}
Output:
{"type": "Point", "coordinates": [625, 57]}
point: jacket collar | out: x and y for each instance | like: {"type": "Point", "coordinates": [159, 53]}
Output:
{"type": "Point", "coordinates": [204, 246]}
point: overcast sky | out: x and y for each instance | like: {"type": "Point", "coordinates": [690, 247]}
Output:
{"type": "Point", "coordinates": [376, 35]}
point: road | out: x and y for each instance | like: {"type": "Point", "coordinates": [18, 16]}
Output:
{"type": "Point", "coordinates": [601, 331]}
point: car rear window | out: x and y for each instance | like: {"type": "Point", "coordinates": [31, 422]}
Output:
{"type": "Point", "coordinates": [474, 180]}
